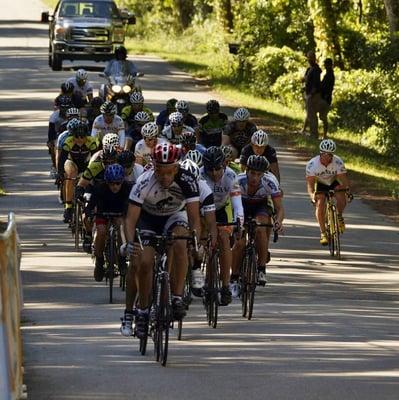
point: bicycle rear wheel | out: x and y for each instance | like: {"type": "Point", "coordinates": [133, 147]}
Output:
{"type": "Point", "coordinates": [337, 242]}
{"type": "Point", "coordinates": [251, 282]}
{"type": "Point", "coordinates": [77, 224]}
{"type": "Point", "coordinates": [111, 264]}
{"type": "Point", "coordinates": [330, 230]}
{"type": "Point", "coordinates": [213, 292]}
{"type": "Point", "coordinates": [244, 285]}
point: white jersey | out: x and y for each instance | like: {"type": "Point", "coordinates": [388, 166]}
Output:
{"type": "Point", "coordinates": [143, 151]}
{"type": "Point", "coordinates": [81, 91]}
{"type": "Point", "coordinates": [325, 174]}
{"type": "Point", "coordinates": [168, 134]}
{"type": "Point", "coordinates": [268, 188]}
{"type": "Point", "coordinates": [61, 139]}
{"type": "Point", "coordinates": [159, 201]}
{"type": "Point", "coordinates": [101, 128]}
{"type": "Point", "coordinates": [224, 189]}
{"type": "Point", "coordinates": [134, 175]}
{"type": "Point", "coordinates": [56, 119]}
{"type": "Point", "coordinates": [207, 203]}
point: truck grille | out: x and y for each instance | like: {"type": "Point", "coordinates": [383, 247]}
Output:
{"type": "Point", "coordinates": [89, 35]}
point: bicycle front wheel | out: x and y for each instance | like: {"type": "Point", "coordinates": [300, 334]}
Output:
{"type": "Point", "coordinates": [213, 292]}
{"type": "Point", "coordinates": [251, 282]}
{"type": "Point", "coordinates": [244, 285]}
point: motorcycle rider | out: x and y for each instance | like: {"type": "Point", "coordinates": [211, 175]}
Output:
{"type": "Point", "coordinates": [120, 66]}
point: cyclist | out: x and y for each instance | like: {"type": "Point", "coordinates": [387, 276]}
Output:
{"type": "Point", "coordinates": [132, 170]}
{"type": "Point", "coordinates": [228, 158]}
{"type": "Point", "coordinates": [212, 125]}
{"type": "Point", "coordinates": [108, 122]}
{"type": "Point", "coordinates": [120, 65]}
{"type": "Point", "coordinates": [258, 187]}
{"type": "Point", "coordinates": [173, 132]}
{"type": "Point", "coordinates": [66, 90]}
{"type": "Point", "coordinates": [134, 131]}
{"type": "Point", "coordinates": [189, 142]}
{"type": "Point", "coordinates": [239, 131]}
{"type": "Point", "coordinates": [327, 172]}
{"type": "Point", "coordinates": [70, 113]}
{"type": "Point", "coordinates": [195, 156]}
{"type": "Point", "coordinates": [136, 105]}
{"type": "Point", "coordinates": [94, 111]}
{"type": "Point", "coordinates": [145, 146]}
{"type": "Point", "coordinates": [164, 200]}
{"type": "Point", "coordinates": [164, 114]}
{"type": "Point", "coordinates": [260, 146]}
{"type": "Point", "coordinates": [190, 120]}
{"type": "Point", "coordinates": [82, 88]}
{"type": "Point", "coordinates": [224, 185]}
{"type": "Point", "coordinates": [74, 157]}
{"type": "Point", "coordinates": [111, 196]}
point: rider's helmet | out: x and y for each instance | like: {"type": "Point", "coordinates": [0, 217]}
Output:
{"type": "Point", "coordinates": [182, 106]}
{"type": "Point", "coordinates": [120, 53]}
{"type": "Point", "coordinates": [241, 114]}
{"type": "Point", "coordinates": [114, 173]}
{"type": "Point", "coordinates": [188, 139]}
{"type": "Point", "coordinates": [195, 156]}
{"type": "Point", "coordinates": [227, 151]}
{"type": "Point", "coordinates": [64, 102]}
{"type": "Point", "coordinates": [108, 108]}
{"type": "Point", "coordinates": [165, 153]}
{"type": "Point", "coordinates": [110, 141]}
{"type": "Point", "coordinates": [81, 129]}
{"type": "Point", "coordinates": [142, 117]}
{"type": "Point", "coordinates": [149, 130]}
{"type": "Point", "coordinates": [176, 119]}
{"type": "Point", "coordinates": [171, 104]}
{"type": "Point", "coordinates": [72, 124]}
{"type": "Point", "coordinates": [72, 112]}
{"type": "Point", "coordinates": [258, 163]}
{"type": "Point", "coordinates": [213, 158]}
{"type": "Point", "coordinates": [327, 146]}
{"type": "Point", "coordinates": [136, 98]}
{"type": "Point", "coordinates": [191, 166]}
{"type": "Point", "coordinates": [213, 107]}
{"type": "Point", "coordinates": [109, 156]}
{"type": "Point", "coordinates": [97, 102]}
{"type": "Point", "coordinates": [260, 138]}
{"type": "Point", "coordinates": [81, 76]}
{"type": "Point", "coordinates": [126, 158]}
{"type": "Point", "coordinates": [66, 87]}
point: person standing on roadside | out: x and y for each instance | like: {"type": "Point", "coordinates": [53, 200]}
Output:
{"type": "Point", "coordinates": [312, 93]}
{"type": "Point", "coordinates": [327, 87]}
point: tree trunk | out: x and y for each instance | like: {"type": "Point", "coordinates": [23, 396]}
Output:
{"type": "Point", "coordinates": [224, 14]}
{"type": "Point", "coordinates": [185, 10]}
{"type": "Point", "coordinates": [325, 30]}
{"type": "Point", "coordinates": [392, 10]}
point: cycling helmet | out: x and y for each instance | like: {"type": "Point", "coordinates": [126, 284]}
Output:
{"type": "Point", "coordinates": [241, 114]}
{"type": "Point", "coordinates": [171, 104]}
{"type": "Point", "coordinates": [72, 112]}
{"type": "Point", "coordinates": [149, 130]}
{"type": "Point", "coordinates": [191, 166]}
{"type": "Point", "coordinates": [260, 138]}
{"type": "Point", "coordinates": [97, 102]}
{"type": "Point", "coordinates": [114, 173]}
{"type": "Point", "coordinates": [176, 118]}
{"type": "Point", "coordinates": [227, 151]}
{"type": "Point", "coordinates": [195, 156]}
{"type": "Point", "coordinates": [109, 156]}
{"type": "Point", "coordinates": [142, 117]}
{"type": "Point", "coordinates": [81, 129]}
{"type": "Point", "coordinates": [136, 98]}
{"type": "Point", "coordinates": [81, 75]}
{"type": "Point", "coordinates": [126, 158]}
{"type": "Point", "coordinates": [327, 146]}
{"type": "Point", "coordinates": [258, 163]}
{"type": "Point", "coordinates": [188, 138]}
{"type": "Point", "coordinates": [64, 102]}
{"type": "Point", "coordinates": [182, 106]}
{"type": "Point", "coordinates": [110, 141]}
{"type": "Point", "coordinates": [66, 87]}
{"type": "Point", "coordinates": [72, 125]}
{"type": "Point", "coordinates": [121, 53]}
{"type": "Point", "coordinates": [165, 153]}
{"type": "Point", "coordinates": [213, 107]}
{"type": "Point", "coordinates": [213, 158]}
{"type": "Point", "coordinates": [108, 108]}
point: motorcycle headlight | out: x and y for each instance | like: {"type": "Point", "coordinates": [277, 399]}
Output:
{"type": "Point", "coordinates": [116, 88]}
{"type": "Point", "coordinates": [126, 89]}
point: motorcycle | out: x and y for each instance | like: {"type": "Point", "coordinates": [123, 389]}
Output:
{"type": "Point", "coordinates": [118, 89]}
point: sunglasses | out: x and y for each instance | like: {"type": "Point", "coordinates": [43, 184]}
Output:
{"type": "Point", "coordinates": [115, 183]}
{"type": "Point", "coordinates": [79, 136]}
{"type": "Point", "coordinates": [215, 168]}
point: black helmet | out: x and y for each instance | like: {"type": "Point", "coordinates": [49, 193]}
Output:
{"type": "Point", "coordinates": [121, 53]}
{"type": "Point", "coordinates": [213, 106]}
{"type": "Point", "coordinates": [64, 102]}
{"type": "Point", "coordinates": [126, 158]}
{"type": "Point", "coordinates": [109, 156]}
{"type": "Point", "coordinates": [188, 139]}
{"type": "Point", "coordinates": [66, 87]}
{"type": "Point", "coordinates": [258, 163]}
{"type": "Point", "coordinates": [81, 129]}
{"type": "Point", "coordinates": [171, 104]}
{"type": "Point", "coordinates": [97, 102]}
{"type": "Point", "coordinates": [213, 158]}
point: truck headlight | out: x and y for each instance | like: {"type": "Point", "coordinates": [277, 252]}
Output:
{"type": "Point", "coordinates": [59, 32]}
{"type": "Point", "coordinates": [116, 88]}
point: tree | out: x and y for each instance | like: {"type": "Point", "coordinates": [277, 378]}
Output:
{"type": "Point", "coordinates": [392, 10]}
{"type": "Point", "coordinates": [224, 13]}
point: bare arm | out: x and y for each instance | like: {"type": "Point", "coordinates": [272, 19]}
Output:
{"type": "Point", "coordinates": [275, 170]}
{"type": "Point", "coordinates": [194, 217]}
{"type": "Point", "coordinates": [310, 183]}
{"type": "Point", "coordinates": [344, 181]}
{"type": "Point", "coordinates": [132, 217]}
{"type": "Point", "coordinates": [279, 209]}
{"type": "Point", "coordinates": [210, 218]}
{"type": "Point", "coordinates": [225, 140]}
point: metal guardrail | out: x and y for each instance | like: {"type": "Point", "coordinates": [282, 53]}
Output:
{"type": "Point", "coordinates": [11, 354]}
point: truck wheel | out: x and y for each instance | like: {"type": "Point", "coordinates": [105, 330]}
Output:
{"type": "Point", "coordinates": [56, 62]}
{"type": "Point", "coordinates": [50, 57]}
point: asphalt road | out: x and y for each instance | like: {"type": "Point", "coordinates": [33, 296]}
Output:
{"type": "Point", "coordinates": [322, 329]}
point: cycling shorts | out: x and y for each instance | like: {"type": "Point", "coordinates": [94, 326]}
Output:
{"type": "Point", "coordinates": [321, 187]}
{"type": "Point", "coordinates": [253, 210]}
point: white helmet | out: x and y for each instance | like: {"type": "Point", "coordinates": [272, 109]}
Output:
{"type": "Point", "coordinates": [110, 141]}
{"type": "Point", "coordinates": [241, 114]}
{"type": "Point", "coordinates": [149, 130]}
{"type": "Point", "coordinates": [327, 146]}
{"type": "Point", "coordinates": [191, 166]}
{"type": "Point", "coordinates": [176, 118]}
{"type": "Point", "coordinates": [182, 106]}
{"type": "Point", "coordinates": [142, 116]}
{"type": "Point", "coordinates": [195, 156]}
{"type": "Point", "coordinates": [81, 75]}
{"type": "Point", "coordinates": [227, 151]}
{"type": "Point", "coordinates": [136, 98]}
{"type": "Point", "coordinates": [260, 138]}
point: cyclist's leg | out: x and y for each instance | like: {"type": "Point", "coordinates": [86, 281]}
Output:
{"type": "Point", "coordinates": [71, 172]}
{"type": "Point", "coordinates": [262, 239]}
{"type": "Point", "coordinates": [321, 211]}
{"type": "Point", "coordinates": [144, 263]}
{"type": "Point", "coordinates": [99, 241]}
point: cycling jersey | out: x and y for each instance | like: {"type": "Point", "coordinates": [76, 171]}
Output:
{"type": "Point", "coordinates": [325, 174]}
{"type": "Point", "coordinates": [95, 169]}
{"type": "Point", "coordinates": [81, 91]}
{"type": "Point", "coordinates": [143, 151]}
{"type": "Point", "coordinates": [239, 138]}
{"type": "Point", "coordinates": [162, 118]}
{"type": "Point", "coordinates": [134, 175]}
{"type": "Point", "coordinates": [120, 68]}
{"type": "Point", "coordinates": [148, 194]}
{"type": "Point", "coordinates": [268, 187]}
{"type": "Point", "coordinates": [168, 134]}
{"type": "Point", "coordinates": [128, 114]}
{"type": "Point", "coordinates": [211, 134]}
{"type": "Point", "coordinates": [55, 123]}
{"type": "Point", "coordinates": [188, 120]}
{"type": "Point", "coordinates": [101, 128]}
{"type": "Point", "coordinates": [61, 139]}
{"type": "Point", "coordinates": [207, 204]}
{"type": "Point", "coordinates": [269, 153]}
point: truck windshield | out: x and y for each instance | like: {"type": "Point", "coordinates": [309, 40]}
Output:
{"type": "Point", "coordinates": [94, 9]}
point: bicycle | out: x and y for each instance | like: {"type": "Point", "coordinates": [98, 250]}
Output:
{"type": "Point", "coordinates": [161, 315]}
{"type": "Point", "coordinates": [248, 271]}
{"type": "Point", "coordinates": [76, 224]}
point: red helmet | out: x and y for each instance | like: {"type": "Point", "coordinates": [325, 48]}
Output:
{"type": "Point", "coordinates": [165, 153]}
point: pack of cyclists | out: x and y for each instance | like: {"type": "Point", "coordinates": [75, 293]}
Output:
{"type": "Point", "coordinates": [174, 175]}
